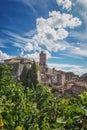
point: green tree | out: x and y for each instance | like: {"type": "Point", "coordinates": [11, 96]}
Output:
{"type": "Point", "coordinates": [33, 75]}
{"type": "Point", "coordinates": [5, 75]}
{"type": "Point", "coordinates": [23, 76]}
{"type": "Point", "coordinates": [17, 109]}
{"type": "Point", "coordinates": [28, 79]}
{"type": "Point", "coordinates": [29, 76]}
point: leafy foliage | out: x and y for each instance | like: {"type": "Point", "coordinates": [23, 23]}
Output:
{"type": "Point", "coordinates": [37, 108]}
{"type": "Point", "coordinates": [29, 76]}
{"type": "Point", "coordinates": [23, 75]}
{"type": "Point", "coordinates": [33, 73]}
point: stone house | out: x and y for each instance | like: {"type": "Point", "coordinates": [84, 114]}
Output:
{"type": "Point", "coordinates": [75, 89]}
{"type": "Point", "coordinates": [18, 64]}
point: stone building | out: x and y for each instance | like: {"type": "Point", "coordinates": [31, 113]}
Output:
{"type": "Point", "coordinates": [18, 64]}
{"type": "Point", "coordinates": [50, 76]}
{"type": "Point", "coordinates": [76, 89]}
{"type": "Point", "coordinates": [61, 78]}
{"type": "Point", "coordinates": [70, 76]}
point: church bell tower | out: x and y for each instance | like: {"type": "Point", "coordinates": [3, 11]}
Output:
{"type": "Point", "coordinates": [42, 61]}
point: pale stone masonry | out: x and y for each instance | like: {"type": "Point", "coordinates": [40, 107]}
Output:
{"type": "Point", "coordinates": [66, 81]}
{"type": "Point", "coordinates": [18, 65]}
{"type": "Point", "coordinates": [42, 61]}
{"type": "Point", "coordinates": [50, 76]}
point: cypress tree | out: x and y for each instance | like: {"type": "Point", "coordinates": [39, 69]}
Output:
{"type": "Point", "coordinates": [23, 76]}
{"type": "Point", "coordinates": [29, 76]}
{"type": "Point", "coordinates": [28, 79]}
{"type": "Point", "coordinates": [33, 77]}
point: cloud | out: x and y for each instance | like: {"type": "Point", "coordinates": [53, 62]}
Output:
{"type": "Point", "coordinates": [50, 34]}
{"type": "Point", "coordinates": [3, 56]}
{"type": "Point", "coordinates": [28, 3]}
{"type": "Point", "coordinates": [73, 56]}
{"type": "Point", "coordinates": [3, 41]}
{"type": "Point", "coordinates": [33, 56]}
{"type": "Point", "coordinates": [77, 69]}
{"type": "Point", "coordinates": [18, 45]}
{"type": "Point", "coordinates": [25, 43]}
{"type": "Point", "coordinates": [2, 45]}
{"type": "Point", "coordinates": [66, 4]}
{"type": "Point", "coordinates": [15, 37]}
{"type": "Point", "coordinates": [76, 50]}
{"type": "Point", "coordinates": [29, 47]}
{"type": "Point", "coordinates": [29, 33]}
{"type": "Point", "coordinates": [22, 52]}
{"type": "Point", "coordinates": [54, 27]}
{"type": "Point", "coordinates": [57, 20]}
{"type": "Point", "coordinates": [36, 5]}
{"type": "Point", "coordinates": [32, 45]}
{"type": "Point", "coordinates": [79, 34]}
{"type": "Point", "coordinates": [53, 30]}
{"type": "Point", "coordinates": [81, 51]}
{"type": "Point", "coordinates": [83, 3]}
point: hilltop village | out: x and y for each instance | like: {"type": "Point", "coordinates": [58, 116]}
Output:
{"type": "Point", "coordinates": [67, 82]}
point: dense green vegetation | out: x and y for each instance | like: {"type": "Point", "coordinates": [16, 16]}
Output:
{"type": "Point", "coordinates": [37, 108]}
{"type": "Point", "coordinates": [29, 76]}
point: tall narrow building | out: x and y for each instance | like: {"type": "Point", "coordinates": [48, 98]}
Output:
{"type": "Point", "coordinates": [42, 61]}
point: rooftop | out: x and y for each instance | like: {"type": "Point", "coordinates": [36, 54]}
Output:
{"type": "Point", "coordinates": [18, 60]}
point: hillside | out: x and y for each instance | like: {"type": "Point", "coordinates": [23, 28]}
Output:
{"type": "Point", "coordinates": [84, 75]}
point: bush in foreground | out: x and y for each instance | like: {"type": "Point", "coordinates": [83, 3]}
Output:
{"type": "Point", "coordinates": [37, 109]}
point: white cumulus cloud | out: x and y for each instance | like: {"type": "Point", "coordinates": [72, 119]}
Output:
{"type": "Point", "coordinates": [3, 56]}
{"type": "Point", "coordinates": [66, 4]}
{"type": "Point", "coordinates": [29, 47]}
{"type": "Point", "coordinates": [55, 26]}
{"type": "Point", "coordinates": [33, 56]}
{"type": "Point", "coordinates": [62, 20]}
{"type": "Point", "coordinates": [53, 30]}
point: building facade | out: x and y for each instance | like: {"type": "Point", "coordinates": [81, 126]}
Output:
{"type": "Point", "coordinates": [18, 64]}
{"type": "Point", "coordinates": [50, 76]}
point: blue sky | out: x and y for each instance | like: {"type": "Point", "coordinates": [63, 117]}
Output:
{"type": "Point", "coordinates": [58, 27]}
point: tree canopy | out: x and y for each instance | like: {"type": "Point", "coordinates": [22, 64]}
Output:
{"type": "Point", "coordinates": [29, 76]}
